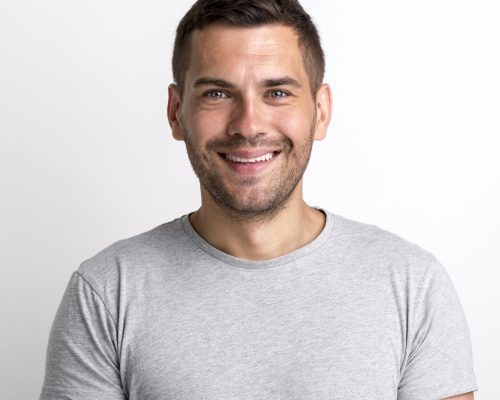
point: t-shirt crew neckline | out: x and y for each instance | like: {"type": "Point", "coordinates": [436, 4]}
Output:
{"type": "Point", "coordinates": [261, 264]}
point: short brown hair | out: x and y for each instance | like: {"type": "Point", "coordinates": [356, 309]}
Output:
{"type": "Point", "coordinates": [250, 13]}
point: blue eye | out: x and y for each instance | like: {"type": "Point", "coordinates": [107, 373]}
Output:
{"type": "Point", "coordinates": [277, 94]}
{"type": "Point", "coordinates": [216, 94]}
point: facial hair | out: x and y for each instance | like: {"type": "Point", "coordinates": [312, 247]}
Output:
{"type": "Point", "coordinates": [261, 204]}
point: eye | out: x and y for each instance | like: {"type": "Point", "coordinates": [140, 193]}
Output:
{"type": "Point", "coordinates": [278, 94]}
{"type": "Point", "coordinates": [216, 94]}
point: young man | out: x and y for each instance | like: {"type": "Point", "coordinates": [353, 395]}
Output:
{"type": "Point", "coordinates": [257, 295]}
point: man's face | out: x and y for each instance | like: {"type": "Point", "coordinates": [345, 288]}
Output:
{"type": "Point", "coordinates": [247, 116]}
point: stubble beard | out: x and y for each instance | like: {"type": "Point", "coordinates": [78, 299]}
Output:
{"type": "Point", "coordinates": [260, 204]}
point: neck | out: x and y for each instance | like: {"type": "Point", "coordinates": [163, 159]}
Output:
{"type": "Point", "coordinates": [258, 237]}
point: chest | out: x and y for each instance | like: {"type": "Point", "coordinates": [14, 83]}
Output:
{"type": "Point", "coordinates": [273, 344]}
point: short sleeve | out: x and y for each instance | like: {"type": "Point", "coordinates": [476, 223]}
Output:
{"type": "Point", "coordinates": [438, 362]}
{"type": "Point", "coordinates": [82, 361]}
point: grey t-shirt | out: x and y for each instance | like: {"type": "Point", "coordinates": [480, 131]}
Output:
{"type": "Point", "coordinates": [358, 313]}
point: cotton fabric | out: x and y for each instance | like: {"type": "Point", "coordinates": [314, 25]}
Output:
{"type": "Point", "coordinates": [358, 313]}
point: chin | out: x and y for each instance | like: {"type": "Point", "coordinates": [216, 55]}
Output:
{"type": "Point", "coordinates": [253, 206]}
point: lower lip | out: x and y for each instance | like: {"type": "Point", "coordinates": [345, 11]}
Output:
{"type": "Point", "coordinates": [249, 168]}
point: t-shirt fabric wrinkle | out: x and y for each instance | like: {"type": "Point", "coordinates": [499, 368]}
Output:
{"type": "Point", "coordinates": [359, 312]}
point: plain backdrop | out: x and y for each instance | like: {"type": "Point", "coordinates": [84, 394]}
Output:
{"type": "Point", "coordinates": [87, 157]}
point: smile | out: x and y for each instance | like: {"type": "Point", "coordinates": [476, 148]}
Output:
{"type": "Point", "coordinates": [249, 166]}
{"type": "Point", "coordinates": [265, 157]}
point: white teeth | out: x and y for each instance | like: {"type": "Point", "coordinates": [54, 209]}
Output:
{"type": "Point", "coordinates": [265, 157]}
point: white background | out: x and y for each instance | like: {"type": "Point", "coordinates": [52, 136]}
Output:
{"type": "Point", "coordinates": [87, 158]}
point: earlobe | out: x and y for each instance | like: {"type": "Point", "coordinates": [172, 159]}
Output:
{"type": "Point", "coordinates": [323, 111]}
{"type": "Point", "coordinates": [173, 112]}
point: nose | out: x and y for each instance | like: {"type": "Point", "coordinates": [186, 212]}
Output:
{"type": "Point", "coordinates": [248, 119]}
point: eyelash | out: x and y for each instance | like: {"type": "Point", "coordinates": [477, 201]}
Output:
{"type": "Point", "coordinates": [286, 94]}
{"type": "Point", "coordinates": [283, 92]}
{"type": "Point", "coordinates": [209, 93]}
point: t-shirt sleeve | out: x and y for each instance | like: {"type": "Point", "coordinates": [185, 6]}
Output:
{"type": "Point", "coordinates": [82, 361]}
{"type": "Point", "coordinates": [438, 362]}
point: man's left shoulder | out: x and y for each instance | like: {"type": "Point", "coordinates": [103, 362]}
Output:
{"type": "Point", "coordinates": [375, 246]}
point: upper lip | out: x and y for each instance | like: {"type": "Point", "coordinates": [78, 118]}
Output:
{"type": "Point", "coordinates": [249, 153]}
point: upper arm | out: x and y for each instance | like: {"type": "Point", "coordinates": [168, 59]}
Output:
{"type": "Point", "coordinates": [438, 359]}
{"type": "Point", "coordinates": [465, 396]}
{"type": "Point", "coordinates": [82, 361]}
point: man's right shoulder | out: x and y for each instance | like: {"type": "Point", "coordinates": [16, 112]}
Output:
{"type": "Point", "coordinates": [132, 256]}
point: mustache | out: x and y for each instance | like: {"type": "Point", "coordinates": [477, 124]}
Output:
{"type": "Point", "coordinates": [241, 141]}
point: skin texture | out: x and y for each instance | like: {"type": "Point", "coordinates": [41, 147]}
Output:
{"type": "Point", "coordinates": [465, 396]}
{"type": "Point", "coordinates": [247, 89]}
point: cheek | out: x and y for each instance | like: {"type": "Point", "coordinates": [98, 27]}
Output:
{"type": "Point", "coordinates": [293, 123]}
{"type": "Point", "coordinates": [204, 124]}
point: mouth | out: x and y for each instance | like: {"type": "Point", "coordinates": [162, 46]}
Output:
{"type": "Point", "coordinates": [249, 165]}
{"type": "Point", "coordinates": [250, 160]}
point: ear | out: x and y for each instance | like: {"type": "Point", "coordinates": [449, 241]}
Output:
{"type": "Point", "coordinates": [174, 112]}
{"type": "Point", "coordinates": [324, 103]}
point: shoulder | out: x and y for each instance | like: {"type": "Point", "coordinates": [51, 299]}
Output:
{"type": "Point", "coordinates": [129, 257]}
{"type": "Point", "coordinates": [383, 251]}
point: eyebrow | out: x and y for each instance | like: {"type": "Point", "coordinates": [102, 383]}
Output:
{"type": "Point", "coordinates": [213, 81]}
{"type": "Point", "coordinates": [284, 81]}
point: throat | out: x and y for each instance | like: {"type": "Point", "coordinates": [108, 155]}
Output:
{"type": "Point", "coordinates": [258, 241]}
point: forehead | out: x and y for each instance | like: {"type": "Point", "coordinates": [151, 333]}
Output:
{"type": "Point", "coordinates": [237, 52]}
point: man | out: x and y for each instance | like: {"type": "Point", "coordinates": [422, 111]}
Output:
{"type": "Point", "coordinates": [257, 295]}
